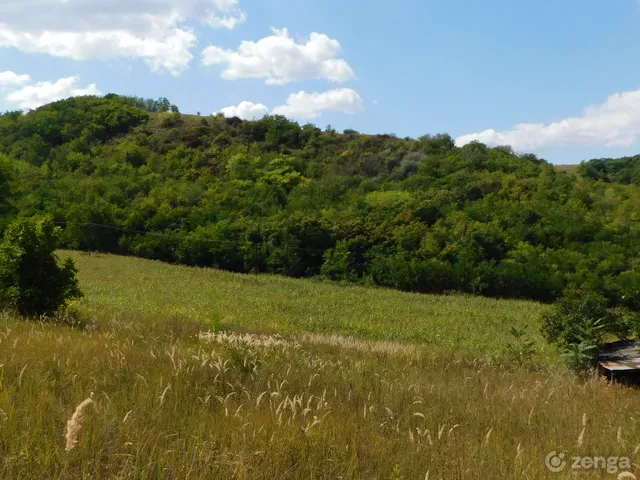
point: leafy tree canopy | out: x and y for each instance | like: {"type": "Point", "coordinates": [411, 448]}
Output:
{"type": "Point", "coordinates": [32, 280]}
{"type": "Point", "coordinates": [133, 176]}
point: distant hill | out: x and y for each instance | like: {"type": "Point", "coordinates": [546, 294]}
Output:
{"type": "Point", "coordinates": [624, 170]}
{"type": "Point", "coordinates": [133, 176]}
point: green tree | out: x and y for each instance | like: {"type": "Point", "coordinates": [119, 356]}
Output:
{"type": "Point", "coordinates": [33, 281]}
{"type": "Point", "coordinates": [6, 202]}
{"type": "Point", "coordinates": [269, 195]}
{"type": "Point", "coordinates": [338, 262]}
{"type": "Point", "coordinates": [579, 316]}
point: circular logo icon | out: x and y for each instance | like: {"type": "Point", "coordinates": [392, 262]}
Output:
{"type": "Point", "coordinates": [555, 462]}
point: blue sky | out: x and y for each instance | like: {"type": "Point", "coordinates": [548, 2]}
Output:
{"type": "Point", "coordinates": [473, 69]}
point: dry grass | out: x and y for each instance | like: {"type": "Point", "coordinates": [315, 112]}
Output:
{"type": "Point", "coordinates": [171, 401]}
{"type": "Point", "coordinates": [146, 390]}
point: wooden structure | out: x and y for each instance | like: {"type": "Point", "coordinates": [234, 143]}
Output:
{"type": "Point", "coordinates": [620, 361]}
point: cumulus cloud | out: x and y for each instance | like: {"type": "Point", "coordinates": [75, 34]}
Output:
{"type": "Point", "coordinates": [311, 105]}
{"type": "Point", "coordinates": [41, 93]}
{"type": "Point", "coordinates": [301, 105]}
{"type": "Point", "coordinates": [246, 110]}
{"type": "Point", "coordinates": [280, 60]}
{"type": "Point", "coordinates": [152, 30]}
{"type": "Point", "coordinates": [11, 79]}
{"type": "Point", "coordinates": [170, 53]}
{"type": "Point", "coordinates": [614, 123]}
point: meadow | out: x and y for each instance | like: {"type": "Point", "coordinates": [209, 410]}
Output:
{"type": "Point", "coordinates": [166, 372]}
{"type": "Point", "coordinates": [271, 304]}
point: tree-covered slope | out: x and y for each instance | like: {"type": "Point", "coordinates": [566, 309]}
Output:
{"type": "Point", "coordinates": [131, 176]}
{"type": "Point", "coordinates": [622, 170]}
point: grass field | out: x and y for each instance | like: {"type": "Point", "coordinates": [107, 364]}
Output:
{"type": "Point", "coordinates": [276, 304]}
{"type": "Point", "coordinates": [158, 396]}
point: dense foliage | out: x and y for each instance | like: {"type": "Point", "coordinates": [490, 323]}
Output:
{"type": "Point", "coordinates": [622, 170]}
{"type": "Point", "coordinates": [33, 281]}
{"type": "Point", "coordinates": [582, 320]}
{"type": "Point", "coordinates": [273, 196]}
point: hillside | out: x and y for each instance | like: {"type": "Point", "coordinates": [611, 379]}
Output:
{"type": "Point", "coordinates": [624, 170]}
{"type": "Point", "coordinates": [271, 196]}
{"type": "Point", "coordinates": [567, 168]}
{"type": "Point", "coordinates": [162, 396]}
{"type": "Point", "coordinates": [273, 304]}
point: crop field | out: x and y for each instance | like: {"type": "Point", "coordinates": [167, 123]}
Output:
{"type": "Point", "coordinates": [167, 372]}
{"type": "Point", "coordinates": [273, 304]}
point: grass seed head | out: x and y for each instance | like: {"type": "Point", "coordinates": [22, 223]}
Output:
{"type": "Point", "coordinates": [74, 425]}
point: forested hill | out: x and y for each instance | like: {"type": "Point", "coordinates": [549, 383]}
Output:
{"type": "Point", "coordinates": [622, 170]}
{"type": "Point", "coordinates": [130, 176]}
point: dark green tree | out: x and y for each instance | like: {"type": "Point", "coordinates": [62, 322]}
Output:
{"type": "Point", "coordinates": [33, 281]}
{"type": "Point", "coordinates": [6, 202]}
{"type": "Point", "coordinates": [579, 316]}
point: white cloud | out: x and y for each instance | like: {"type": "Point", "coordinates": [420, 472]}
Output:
{"type": "Point", "coordinates": [34, 96]}
{"type": "Point", "coordinates": [170, 53]}
{"type": "Point", "coordinates": [311, 105]}
{"type": "Point", "coordinates": [11, 79]}
{"type": "Point", "coordinates": [614, 123]}
{"type": "Point", "coordinates": [152, 30]}
{"type": "Point", "coordinates": [301, 105]}
{"type": "Point", "coordinates": [280, 60]}
{"type": "Point", "coordinates": [246, 110]}
{"type": "Point", "coordinates": [226, 21]}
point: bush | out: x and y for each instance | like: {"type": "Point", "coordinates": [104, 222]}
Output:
{"type": "Point", "coordinates": [338, 262]}
{"type": "Point", "coordinates": [521, 350]}
{"type": "Point", "coordinates": [580, 357]}
{"type": "Point", "coordinates": [580, 315]}
{"type": "Point", "coordinates": [33, 281]}
{"type": "Point", "coordinates": [579, 323]}
{"type": "Point", "coordinates": [169, 120]}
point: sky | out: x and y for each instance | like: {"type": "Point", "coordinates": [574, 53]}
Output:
{"type": "Point", "coordinates": [560, 79]}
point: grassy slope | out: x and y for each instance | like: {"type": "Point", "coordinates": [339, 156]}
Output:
{"type": "Point", "coordinates": [170, 405]}
{"type": "Point", "coordinates": [270, 303]}
{"type": "Point", "coordinates": [167, 406]}
{"type": "Point", "coordinates": [567, 168]}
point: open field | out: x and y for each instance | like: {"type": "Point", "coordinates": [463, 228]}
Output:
{"type": "Point", "coordinates": [169, 405]}
{"type": "Point", "coordinates": [173, 400]}
{"type": "Point", "coordinates": [276, 304]}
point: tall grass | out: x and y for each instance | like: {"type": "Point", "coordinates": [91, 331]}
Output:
{"type": "Point", "coordinates": [173, 401]}
{"type": "Point", "coordinates": [176, 373]}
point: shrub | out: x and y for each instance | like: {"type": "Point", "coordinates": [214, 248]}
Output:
{"type": "Point", "coordinates": [521, 350]}
{"type": "Point", "coordinates": [169, 120]}
{"type": "Point", "coordinates": [33, 281]}
{"type": "Point", "coordinates": [579, 323]}
{"type": "Point", "coordinates": [338, 262]}
{"type": "Point", "coordinates": [580, 315]}
{"type": "Point", "coordinates": [580, 356]}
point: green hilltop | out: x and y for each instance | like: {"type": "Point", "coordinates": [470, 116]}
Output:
{"type": "Point", "coordinates": [132, 176]}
